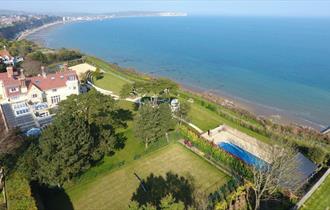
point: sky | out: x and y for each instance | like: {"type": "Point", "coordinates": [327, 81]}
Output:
{"type": "Point", "coordinates": [307, 8]}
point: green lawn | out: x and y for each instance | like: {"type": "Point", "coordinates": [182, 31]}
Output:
{"type": "Point", "coordinates": [114, 190]}
{"type": "Point", "coordinates": [200, 116]}
{"type": "Point", "coordinates": [111, 82]}
{"type": "Point", "coordinates": [320, 200]}
{"type": "Point", "coordinates": [206, 119]}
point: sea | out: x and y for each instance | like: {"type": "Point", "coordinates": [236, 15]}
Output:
{"type": "Point", "coordinates": [275, 66]}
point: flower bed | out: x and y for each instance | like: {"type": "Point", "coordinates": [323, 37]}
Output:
{"type": "Point", "coordinates": [214, 153]}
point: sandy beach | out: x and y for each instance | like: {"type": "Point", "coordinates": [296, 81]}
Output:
{"type": "Point", "coordinates": [26, 33]}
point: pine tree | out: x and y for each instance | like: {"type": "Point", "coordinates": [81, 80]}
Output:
{"type": "Point", "coordinates": [167, 123]}
{"type": "Point", "coordinates": [66, 149]}
{"type": "Point", "coordinates": [147, 124]}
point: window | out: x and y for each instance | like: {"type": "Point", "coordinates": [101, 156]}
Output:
{"type": "Point", "coordinates": [13, 90]}
{"type": "Point", "coordinates": [55, 99]}
{"type": "Point", "coordinates": [22, 111]}
{"type": "Point", "coordinates": [54, 90]}
{"type": "Point", "coordinates": [71, 78]}
{"type": "Point", "coordinates": [34, 95]}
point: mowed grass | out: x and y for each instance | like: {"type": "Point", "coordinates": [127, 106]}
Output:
{"type": "Point", "coordinates": [206, 119]}
{"type": "Point", "coordinates": [111, 82]}
{"type": "Point", "coordinates": [114, 190]}
{"type": "Point", "coordinates": [320, 200]}
{"type": "Point", "coordinates": [203, 118]}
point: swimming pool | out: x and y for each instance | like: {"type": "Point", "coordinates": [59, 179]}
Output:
{"type": "Point", "coordinates": [240, 153]}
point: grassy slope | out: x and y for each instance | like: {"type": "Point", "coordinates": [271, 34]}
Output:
{"type": "Point", "coordinates": [110, 82]}
{"type": "Point", "coordinates": [320, 200]}
{"type": "Point", "coordinates": [200, 115]}
{"type": "Point", "coordinates": [114, 190]}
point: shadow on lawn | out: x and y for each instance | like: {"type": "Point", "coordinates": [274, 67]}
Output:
{"type": "Point", "coordinates": [154, 188]}
{"type": "Point", "coordinates": [52, 198]}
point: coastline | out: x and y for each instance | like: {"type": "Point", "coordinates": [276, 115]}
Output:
{"type": "Point", "coordinates": [26, 33]}
{"type": "Point", "coordinates": [259, 110]}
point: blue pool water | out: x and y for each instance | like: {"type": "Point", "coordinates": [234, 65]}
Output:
{"type": "Point", "coordinates": [242, 154]}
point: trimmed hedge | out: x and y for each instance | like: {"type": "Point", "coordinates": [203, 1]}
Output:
{"type": "Point", "coordinates": [19, 196]}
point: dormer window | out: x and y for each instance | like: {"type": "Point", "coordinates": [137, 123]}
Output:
{"type": "Point", "coordinates": [62, 77]}
{"type": "Point", "coordinates": [52, 78]}
{"type": "Point", "coordinates": [37, 82]}
{"type": "Point", "coordinates": [13, 90]}
{"type": "Point", "coordinates": [71, 78]}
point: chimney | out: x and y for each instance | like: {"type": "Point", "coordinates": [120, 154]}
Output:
{"type": "Point", "coordinates": [10, 71]}
{"type": "Point", "coordinates": [43, 72]}
{"type": "Point", "coordinates": [65, 67]}
{"type": "Point", "coordinates": [23, 82]}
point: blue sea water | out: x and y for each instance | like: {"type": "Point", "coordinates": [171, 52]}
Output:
{"type": "Point", "coordinates": [278, 64]}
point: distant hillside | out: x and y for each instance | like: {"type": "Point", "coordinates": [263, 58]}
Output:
{"type": "Point", "coordinates": [11, 32]}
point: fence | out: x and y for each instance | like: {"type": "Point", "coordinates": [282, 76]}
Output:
{"type": "Point", "coordinates": [312, 190]}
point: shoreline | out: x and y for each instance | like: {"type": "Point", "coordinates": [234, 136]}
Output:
{"type": "Point", "coordinates": [259, 110]}
{"type": "Point", "coordinates": [26, 33]}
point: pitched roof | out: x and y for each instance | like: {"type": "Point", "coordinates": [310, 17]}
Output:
{"type": "Point", "coordinates": [4, 53]}
{"type": "Point", "coordinates": [8, 81]}
{"type": "Point", "coordinates": [51, 81]}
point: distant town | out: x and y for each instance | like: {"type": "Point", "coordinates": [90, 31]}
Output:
{"type": "Point", "coordinates": [12, 25]}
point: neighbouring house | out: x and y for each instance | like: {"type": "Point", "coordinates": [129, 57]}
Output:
{"type": "Point", "coordinates": [7, 59]}
{"type": "Point", "coordinates": [48, 88]}
{"type": "Point", "coordinates": [26, 101]}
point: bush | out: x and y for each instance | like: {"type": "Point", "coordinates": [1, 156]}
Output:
{"type": "Point", "coordinates": [214, 153]}
{"type": "Point", "coordinates": [19, 193]}
{"type": "Point", "coordinates": [317, 154]}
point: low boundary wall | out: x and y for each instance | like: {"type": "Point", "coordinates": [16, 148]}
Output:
{"type": "Point", "coordinates": [311, 191]}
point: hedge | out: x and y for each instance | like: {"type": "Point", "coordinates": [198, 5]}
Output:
{"type": "Point", "coordinates": [216, 154]}
{"type": "Point", "coordinates": [19, 196]}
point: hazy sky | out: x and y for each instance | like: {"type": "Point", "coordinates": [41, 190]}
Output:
{"type": "Point", "coordinates": [214, 7]}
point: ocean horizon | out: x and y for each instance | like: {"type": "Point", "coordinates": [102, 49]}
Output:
{"type": "Point", "coordinates": [277, 65]}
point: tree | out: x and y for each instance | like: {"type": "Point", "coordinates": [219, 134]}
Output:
{"type": "Point", "coordinates": [101, 113]}
{"type": "Point", "coordinates": [97, 74]}
{"type": "Point", "coordinates": [66, 148]}
{"type": "Point", "coordinates": [281, 171]}
{"type": "Point", "coordinates": [168, 203]}
{"type": "Point", "coordinates": [31, 67]}
{"type": "Point", "coordinates": [39, 56]}
{"type": "Point", "coordinates": [183, 111]}
{"type": "Point", "coordinates": [126, 90]}
{"type": "Point", "coordinates": [147, 124]}
{"type": "Point", "coordinates": [153, 88]}
{"type": "Point", "coordinates": [82, 132]}
{"type": "Point", "coordinates": [167, 123]}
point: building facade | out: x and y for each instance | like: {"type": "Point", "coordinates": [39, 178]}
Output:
{"type": "Point", "coordinates": [44, 88]}
{"type": "Point", "coordinates": [26, 102]}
